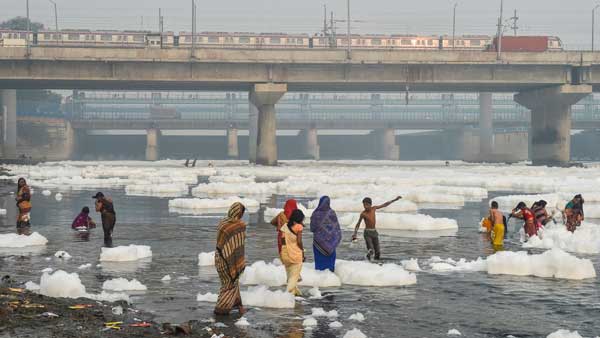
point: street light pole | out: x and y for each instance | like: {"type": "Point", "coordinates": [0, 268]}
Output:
{"type": "Point", "coordinates": [55, 19]}
{"type": "Point", "coordinates": [454, 25]}
{"type": "Point", "coordinates": [193, 27]}
{"type": "Point", "coordinates": [28, 28]}
{"type": "Point", "coordinates": [499, 36]}
{"type": "Point", "coordinates": [594, 24]}
{"type": "Point", "coordinates": [348, 35]}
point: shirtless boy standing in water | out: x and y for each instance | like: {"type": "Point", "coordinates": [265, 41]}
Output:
{"type": "Point", "coordinates": [370, 234]}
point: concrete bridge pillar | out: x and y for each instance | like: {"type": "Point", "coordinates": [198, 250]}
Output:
{"type": "Point", "coordinates": [310, 141]}
{"type": "Point", "coordinates": [233, 150]}
{"type": "Point", "coordinates": [152, 144]}
{"type": "Point", "coordinates": [551, 121]}
{"type": "Point", "coordinates": [387, 149]}
{"type": "Point", "coordinates": [8, 108]}
{"type": "Point", "coordinates": [486, 127]}
{"type": "Point", "coordinates": [376, 108]}
{"type": "Point", "coordinates": [264, 96]}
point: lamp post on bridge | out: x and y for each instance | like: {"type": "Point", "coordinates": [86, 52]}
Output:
{"type": "Point", "coordinates": [454, 25]}
{"type": "Point", "coordinates": [594, 24]}
{"type": "Point", "coordinates": [55, 19]}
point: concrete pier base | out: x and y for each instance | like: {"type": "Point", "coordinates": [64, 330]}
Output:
{"type": "Point", "coordinates": [310, 142]}
{"type": "Point", "coordinates": [8, 108]}
{"type": "Point", "coordinates": [152, 144]}
{"type": "Point", "coordinates": [264, 96]}
{"type": "Point", "coordinates": [551, 121]}
{"type": "Point", "coordinates": [486, 127]}
{"type": "Point", "coordinates": [252, 130]}
{"type": "Point", "coordinates": [233, 150]}
{"type": "Point", "coordinates": [386, 147]}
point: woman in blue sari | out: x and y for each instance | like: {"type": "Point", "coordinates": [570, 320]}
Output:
{"type": "Point", "coordinates": [326, 235]}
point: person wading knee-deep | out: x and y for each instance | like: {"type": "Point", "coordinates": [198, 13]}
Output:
{"type": "Point", "coordinates": [105, 207]}
{"type": "Point", "coordinates": [24, 205]}
{"type": "Point", "coordinates": [292, 250]}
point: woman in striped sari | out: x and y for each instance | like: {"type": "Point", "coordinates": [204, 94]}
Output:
{"type": "Point", "coordinates": [230, 259]}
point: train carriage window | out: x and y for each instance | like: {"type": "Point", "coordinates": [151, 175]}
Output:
{"type": "Point", "coordinates": [46, 36]}
{"type": "Point", "coordinates": [405, 42]}
{"type": "Point", "coordinates": [291, 41]}
{"type": "Point", "coordinates": [475, 43]}
{"type": "Point", "coordinates": [106, 37]}
{"type": "Point", "coordinates": [56, 37]}
{"type": "Point", "coordinates": [73, 37]}
{"type": "Point", "coordinates": [213, 39]}
{"type": "Point", "coordinates": [275, 40]}
{"type": "Point", "coordinates": [23, 36]}
{"type": "Point", "coordinates": [322, 41]}
{"type": "Point", "coordinates": [244, 39]}
{"type": "Point", "coordinates": [376, 42]}
{"type": "Point", "coordinates": [228, 39]}
{"type": "Point", "coordinates": [138, 38]}
{"type": "Point", "coordinates": [299, 41]}
{"type": "Point", "coordinates": [429, 42]}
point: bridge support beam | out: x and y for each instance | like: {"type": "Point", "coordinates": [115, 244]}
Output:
{"type": "Point", "coordinates": [486, 127]}
{"type": "Point", "coordinates": [152, 144]}
{"type": "Point", "coordinates": [8, 107]}
{"type": "Point", "coordinates": [264, 96]}
{"type": "Point", "coordinates": [233, 150]}
{"type": "Point", "coordinates": [385, 141]}
{"type": "Point", "coordinates": [252, 130]}
{"type": "Point", "coordinates": [310, 142]}
{"type": "Point", "coordinates": [551, 121]}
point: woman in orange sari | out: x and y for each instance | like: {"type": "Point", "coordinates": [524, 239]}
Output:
{"type": "Point", "coordinates": [24, 205]}
{"type": "Point", "coordinates": [230, 259]}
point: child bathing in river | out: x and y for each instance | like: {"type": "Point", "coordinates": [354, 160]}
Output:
{"type": "Point", "coordinates": [371, 235]}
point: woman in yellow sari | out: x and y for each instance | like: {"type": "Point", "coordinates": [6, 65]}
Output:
{"type": "Point", "coordinates": [230, 259]}
{"type": "Point", "coordinates": [24, 205]}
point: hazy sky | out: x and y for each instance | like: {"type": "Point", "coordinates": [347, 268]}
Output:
{"type": "Point", "coordinates": [571, 20]}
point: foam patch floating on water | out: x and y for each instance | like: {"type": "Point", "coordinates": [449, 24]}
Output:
{"type": "Point", "coordinates": [319, 312]}
{"type": "Point", "coordinates": [355, 333]}
{"type": "Point", "coordinates": [262, 273]}
{"type": "Point", "coordinates": [125, 253]}
{"type": "Point", "coordinates": [207, 297]}
{"type": "Point", "coordinates": [193, 205]}
{"type": "Point", "coordinates": [586, 239]}
{"type": "Point", "coordinates": [62, 284]}
{"type": "Point", "coordinates": [166, 278]}
{"type": "Point", "coordinates": [122, 284]}
{"type": "Point", "coordinates": [359, 317]}
{"type": "Point", "coordinates": [242, 322]}
{"type": "Point", "coordinates": [206, 259]}
{"type": "Point", "coordinates": [261, 296]}
{"type": "Point", "coordinates": [85, 266]}
{"type": "Point", "coordinates": [31, 286]}
{"type": "Point", "coordinates": [336, 325]}
{"type": "Point", "coordinates": [62, 255]}
{"type": "Point", "coordinates": [454, 332]}
{"type": "Point", "coordinates": [368, 274]}
{"type": "Point", "coordinates": [22, 241]}
{"type": "Point", "coordinates": [309, 323]}
{"type": "Point", "coordinates": [564, 334]}
{"type": "Point", "coordinates": [409, 222]}
{"type": "Point", "coordinates": [46, 192]}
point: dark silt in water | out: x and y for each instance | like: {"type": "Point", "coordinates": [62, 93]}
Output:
{"type": "Point", "coordinates": [476, 304]}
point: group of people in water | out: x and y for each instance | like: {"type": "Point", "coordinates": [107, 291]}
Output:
{"type": "Point", "coordinates": [289, 224]}
{"type": "Point", "coordinates": [534, 218]}
{"type": "Point", "coordinates": [83, 222]}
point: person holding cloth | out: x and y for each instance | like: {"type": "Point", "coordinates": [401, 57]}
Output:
{"type": "Point", "coordinates": [292, 250]}
{"type": "Point", "coordinates": [371, 235]}
{"type": "Point", "coordinates": [105, 207]}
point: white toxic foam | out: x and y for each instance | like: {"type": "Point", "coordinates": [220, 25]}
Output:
{"type": "Point", "coordinates": [46, 192]}
{"type": "Point", "coordinates": [242, 322]}
{"type": "Point", "coordinates": [3, 212]}
{"type": "Point", "coordinates": [85, 266]}
{"type": "Point", "coordinates": [183, 205]}
{"type": "Point", "coordinates": [553, 263]}
{"type": "Point", "coordinates": [122, 284]}
{"type": "Point", "coordinates": [206, 259]}
{"type": "Point", "coordinates": [411, 265]}
{"type": "Point", "coordinates": [368, 274]}
{"type": "Point", "coordinates": [21, 241]}
{"type": "Point", "coordinates": [125, 253]}
{"type": "Point", "coordinates": [355, 205]}
{"type": "Point", "coordinates": [31, 286]}
{"type": "Point", "coordinates": [207, 297]}
{"type": "Point", "coordinates": [62, 255]}
{"type": "Point", "coordinates": [320, 312]}
{"type": "Point", "coordinates": [564, 334]}
{"type": "Point", "coordinates": [586, 239]}
{"type": "Point", "coordinates": [336, 325]}
{"type": "Point", "coordinates": [62, 284]}
{"type": "Point", "coordinates": [409, 222]}
{"type": "Point", "coordinates": [58, 197]}
{"type": "Point", "coordinates": [454, 332]}
{"type": "Point", "coordinates": [166, 278]}
{"type": "Point", "coordinates": [359, 317]}
{"type": "Point", "coordinates": [355, 333]}
{"type": "Point", "coordinates": [309, 323]}
{"type": "Point", "coordinates": [160, 190]}
{"type": "Point", "coordinates": [261, 296]}
{"type": "Point", "coordinates": [262, 273]}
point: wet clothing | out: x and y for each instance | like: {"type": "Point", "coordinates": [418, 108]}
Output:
{"type": "Point", "coordinates": [83, 220]}
{"type": "Point", "coordinates": [527, 215]}
{"type": "Point", "coordinates": [372, 239]}
{"type": "Point", "coordinates": [109, 218]}
{"type": "Point", "coordinates": [292, 257]}
{"type": "Point", "coordinates": [230, 259]}
{"type": "Point", "coordinates": [574, 216]}
{"type": "Point", "coordinates": [541, 216]}
{"type": "Point", "coordinates": [282, 218]}
{"type": "Point", "coordinates": [24, 206]}
{"type": "Point", "coordinates": [497, 235]}
{"type": "Point", "coordinates": [327, 234]}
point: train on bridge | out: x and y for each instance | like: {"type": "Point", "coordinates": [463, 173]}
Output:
{"type": "Point", "coordinates": [145, 39]}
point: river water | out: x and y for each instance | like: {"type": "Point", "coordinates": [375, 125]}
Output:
{"type": "Point", "coordinates": [475, 303]}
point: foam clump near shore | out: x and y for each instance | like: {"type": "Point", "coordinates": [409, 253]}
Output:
{"type": "Point", "coordinates": [125, 253]}
{"type": "Point", "coordinates": [22, 241]}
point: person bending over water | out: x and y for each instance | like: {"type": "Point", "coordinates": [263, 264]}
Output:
{"type": "Point", "coordinates": [524, 213]}
{"type": "Point", "coordinates": [24, 205]}
{"type": "Point", "coordinates": [83, 221]}
{"type": "Point", "coordinates": [573, 213]}
{"type": "Point", "coordinates": [105, 207]}
{"type": "Point", "coordinates": [292, 250]}
{"type": "Point", "coordinates": [230, 259]}
{"type": "Point", "coordinates": [370, 234]}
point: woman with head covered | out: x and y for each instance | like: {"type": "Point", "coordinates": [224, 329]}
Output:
{"type": "Point", "coordinates": [282, 218]}
{"type": "Point", "coordinates": [230, 259]}
{"type": "Point", "coordinates": [327, 235]}
{"type": "Point", "coordinates": [24, 205]}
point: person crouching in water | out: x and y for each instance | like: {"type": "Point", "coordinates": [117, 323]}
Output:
{"type": "Point", "coordinates": [573, 213]}
{"type": "Point", "coordinates": [524, 213]}
{"type": "Point", "coordinates": [498, 227]}
{"type": "Point", "coordinates": [106, 209]}
{"type": "Point", "coordinates": [83, 221]}
{"type": "Point", "coordinates": [292, 250]}
{"type": "Point", "coordinates": [541, 214]}
{"type": "Point", "coordinates": [24, 205]}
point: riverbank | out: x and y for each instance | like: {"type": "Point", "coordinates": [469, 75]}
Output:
{"type": "Point", "coordinates": [27, 314]}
